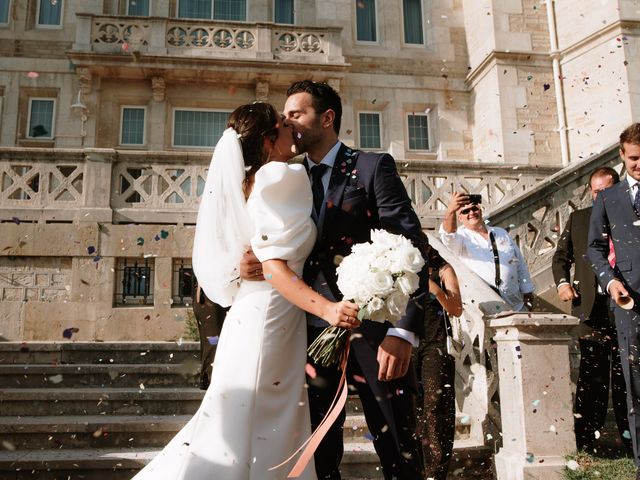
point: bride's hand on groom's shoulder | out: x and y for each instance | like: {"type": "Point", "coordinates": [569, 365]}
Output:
{"type": "Point", "coordinates": [250, 266]}
{"type": "Point", "coordinates": [342, 314]}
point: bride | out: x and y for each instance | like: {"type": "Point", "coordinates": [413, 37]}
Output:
{"type": "Point", "coordinates": [255, 413]}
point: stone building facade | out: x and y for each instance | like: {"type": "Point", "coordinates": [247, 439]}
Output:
{"type": "Point", "coordinates": [110, 110]}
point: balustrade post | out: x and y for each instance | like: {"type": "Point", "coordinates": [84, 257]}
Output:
{"type": "Point", "coordinates": [158, 37]}
{"type": "Point", "coordinates": [83, 32]}
{"type": "Point", "coordinates": [535, 395]}
{"type": "Point", "coordinates": [264, 49]}
{"type": "Point", "coordinates": [97, 187]}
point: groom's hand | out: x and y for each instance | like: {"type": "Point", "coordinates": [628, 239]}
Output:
{"type": "Point", "coordinates": [250, 266]}
{"type": "Point", "coordinates": [394, 355]}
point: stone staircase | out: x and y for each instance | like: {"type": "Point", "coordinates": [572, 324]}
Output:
{"type": "Point", "coordinates": [102, 410]}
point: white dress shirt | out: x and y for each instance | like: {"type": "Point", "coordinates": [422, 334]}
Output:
{"type": "Point", "coordinates": [320, 284]}
{"type": "Point", "coordinates": [633, 188]}
{"type": "Point", "coordinates": [477, 253]}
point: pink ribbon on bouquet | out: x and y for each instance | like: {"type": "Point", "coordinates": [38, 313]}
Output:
{"type": "Point", "coordinates": [310, 445]}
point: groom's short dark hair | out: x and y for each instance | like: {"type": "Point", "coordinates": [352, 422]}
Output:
{"type": "Point", "coordinates": [323, 98]}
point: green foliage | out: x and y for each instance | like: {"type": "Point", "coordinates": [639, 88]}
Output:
{"type": "Point", "coordinates": [191, 327]}
{"type": "Point", "coordinates": [592, 467]}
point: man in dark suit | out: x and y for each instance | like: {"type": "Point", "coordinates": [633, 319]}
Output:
{"type": "Point", "coordinates": [209, 317]}
{"type": "Point", "coordinates": [355, 192]}
{"type": "Point", "coordinates": [616, 216]}
{"type": "Point", "coordinates": [599, 354]}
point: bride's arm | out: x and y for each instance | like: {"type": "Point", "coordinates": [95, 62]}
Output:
{"type": "Point", "coordinates": [339, 314]}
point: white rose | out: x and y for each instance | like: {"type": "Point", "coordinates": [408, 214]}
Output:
{"type": "Point", "coordinates": [380, 283]}
{"type": "Point", "coordinates": [374, 305]}
{"type": "Point", "coordinates": [379, 315]}
{"type": "Point", "coordinates": [385, 240]}
{"type": "Point", "coordinates": [408, 258]}
{"type": "Point", "coordinates": [381, 263]}
{"type": "Point", "coordinates": [396, 304]}
{"type": "Point", "coordinates": [408, 283]}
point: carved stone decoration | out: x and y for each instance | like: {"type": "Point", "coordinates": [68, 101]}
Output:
{"type": "Point", "coordinates": [288, 42]}
{"type": "Point", "coordinates": [245, 39]}
{"type": "Point", "coordinates": [310, 43]}
{"type": "Point", "coordinates": [176, 36]}
{"type": "Point", "coordinates": [109, 33]}
{"type": "Point", "coordinates": [199, 37]}
{"type": "Point", "coordinates": [159, 87]}
{"type": "Point", "coordinates": [262, 91]}
{"type": "Point", "coordinates": [223, 38]}
{"type": "Point", "coordinates": [84, 80]}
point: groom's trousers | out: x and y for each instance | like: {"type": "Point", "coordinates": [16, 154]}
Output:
{"type": "Point", "coordinates": [399, 460]}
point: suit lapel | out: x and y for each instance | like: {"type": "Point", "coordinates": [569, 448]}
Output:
{"type": "Point", "coordinates": [623, 200]}
{"type": "Point", "coordinates": [340, 173]}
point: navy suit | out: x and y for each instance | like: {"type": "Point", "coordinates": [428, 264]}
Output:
{"type": "Point", "coordinates": [599, 353]}
{"type": "Point", "coordinates": [613, 216]}
{"type": "Point", "coordinates": [365, 192]}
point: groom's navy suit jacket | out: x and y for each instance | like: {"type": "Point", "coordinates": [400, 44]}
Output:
{"type": "Point", "coordinates": [613, 216]}
{"type": "Point", "coordinates": [365, 192]}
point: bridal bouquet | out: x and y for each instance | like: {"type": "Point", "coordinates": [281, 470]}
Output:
{"type": "Point", "coordinates": [379, 276]}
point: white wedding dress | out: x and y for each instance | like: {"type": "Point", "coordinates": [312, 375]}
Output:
{"type": "Point", "coordinates": [255, 413]}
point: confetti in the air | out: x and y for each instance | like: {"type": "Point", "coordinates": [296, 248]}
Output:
{"type": "Point", "coordinates": [68, 332]}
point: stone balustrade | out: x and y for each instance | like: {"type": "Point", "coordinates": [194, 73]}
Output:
{"type": "Point", "coordinates": [163, 187]}
{"type": "Point", "coordinates": [535, 218]}
{"type": "Point", "coordinates": [258, 41]}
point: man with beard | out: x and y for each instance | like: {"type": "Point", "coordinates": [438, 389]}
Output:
{"type": "Point", "coordinates": [355, 192]}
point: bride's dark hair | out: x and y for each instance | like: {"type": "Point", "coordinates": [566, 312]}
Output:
{"type": "Point", "coordinates": [253, 122]}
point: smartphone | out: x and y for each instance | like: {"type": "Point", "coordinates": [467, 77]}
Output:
{"type": "Point", "coordinates": [475, 199]}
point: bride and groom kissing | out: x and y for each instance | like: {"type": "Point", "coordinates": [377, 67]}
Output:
{"type": "Point", "coordinates": [266, 396]}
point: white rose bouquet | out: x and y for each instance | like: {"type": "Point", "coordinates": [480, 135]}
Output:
{"type": "Point", "coordinates": [379, 276]}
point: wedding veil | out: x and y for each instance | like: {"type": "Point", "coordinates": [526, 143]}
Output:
{"type": "Point", "coordinates": [223, 228]}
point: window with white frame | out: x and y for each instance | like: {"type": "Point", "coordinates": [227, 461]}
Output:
{"type": "Point", "coordinates": [4, 11]}
{"type": "Point", "coordinates": [418, 130]}
{"type": "Point", "coordinates": [213, 9]}
{"type": "Point", "coordinates": [198, 128]}
{"type": "Point", "coordinates": [369, 124]}
{"type": "Point", "coordinates": [49, 13]}
{"type": "Point", "coordinates": [283, 11]}
{"type": "Point", "coordinates": [40, 121]}
{"type": "Point", "coordinates": [413, 22]}
{"type": "Point", "coordinates": [366, 21]}
{"type": "Point", "coordinates": [132, 126]}
{"type": "Point", "coordinates": [139, 8]}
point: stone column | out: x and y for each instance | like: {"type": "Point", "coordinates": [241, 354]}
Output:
{"type": "Point", "coordinates": [535, 395]}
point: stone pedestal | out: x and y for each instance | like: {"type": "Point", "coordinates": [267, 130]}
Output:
{"type": "Point", "coordinates": [535, 395]}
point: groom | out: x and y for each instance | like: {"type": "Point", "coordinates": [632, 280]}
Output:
{"type": "Point", "coordinates": [355, 192]}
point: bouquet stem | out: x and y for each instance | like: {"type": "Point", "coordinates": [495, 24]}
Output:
{"type": "Point", "coordinates": [329, 347]}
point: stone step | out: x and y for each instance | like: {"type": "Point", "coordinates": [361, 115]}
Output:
{"type": "Point", "coordinates": [54, 353]}
{"type": "Point", "coordinates": [359, 462]}
{"type": "Point", "coordinates": [89, 431]}
{"type": "Point", "coordinates": [92, 375]}
{"type": "Point", "coordinates": [99, 401]}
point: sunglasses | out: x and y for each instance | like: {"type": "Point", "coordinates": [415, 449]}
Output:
{"type": "Point", "coordinates": [470, 209]}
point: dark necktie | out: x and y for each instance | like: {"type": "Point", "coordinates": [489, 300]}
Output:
{"type": "Point", "coordinates": [636, 202]}
{"type": "Point", "coordinates": [317, 171]}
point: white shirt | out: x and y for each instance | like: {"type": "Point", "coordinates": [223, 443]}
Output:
{"type": "Point", "coordinates": [477, 253]}
{"type": "Point", "coordinates": [320, 284]}
{"type": "Point", "coordinates": [633, 188]}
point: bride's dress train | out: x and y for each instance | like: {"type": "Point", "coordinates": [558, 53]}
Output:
{"type": "Point", "coordinates": [255, 413]}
